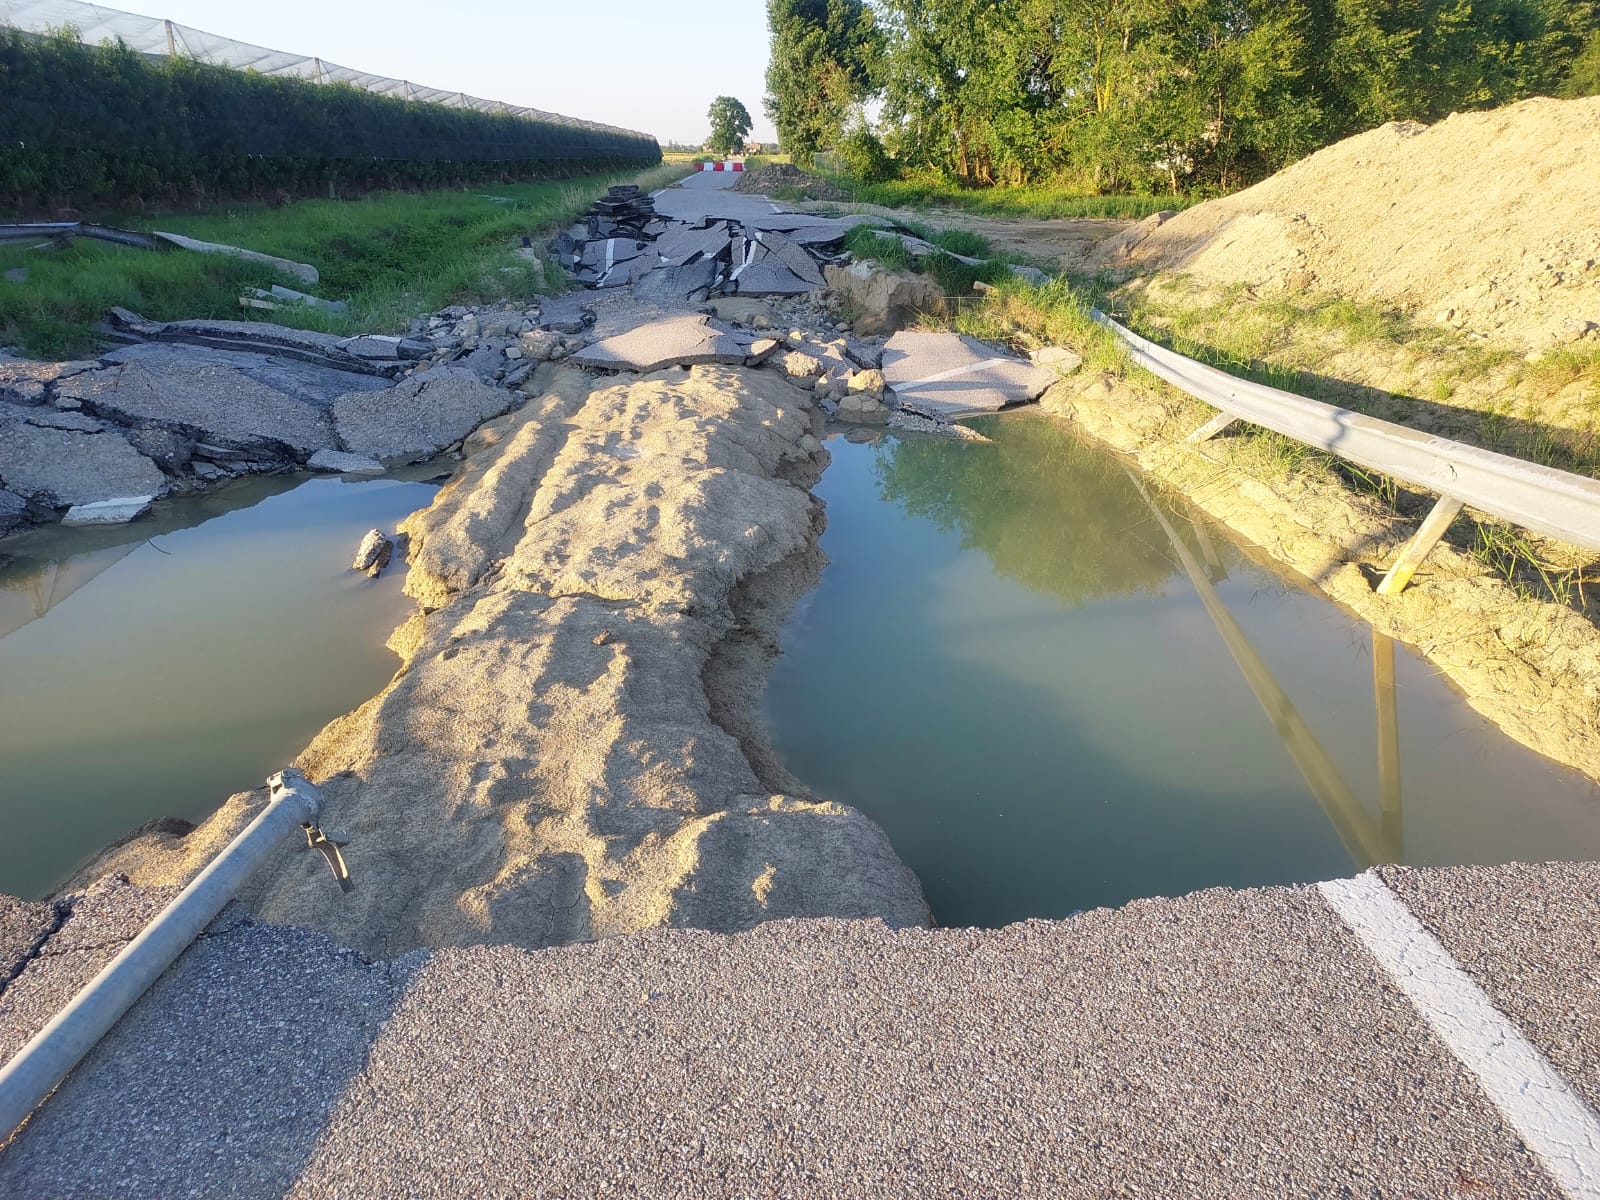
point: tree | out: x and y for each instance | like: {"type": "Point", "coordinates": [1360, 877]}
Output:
{"type": "Point", "coordinates": [827, 58]}
{"type": "Point", "coordinates": [730, 125]}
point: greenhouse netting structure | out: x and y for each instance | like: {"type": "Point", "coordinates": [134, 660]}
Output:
{"type": "Point", "coordinates": [160, 38]}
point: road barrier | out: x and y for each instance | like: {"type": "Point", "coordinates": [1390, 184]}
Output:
{"type": "Point", "coordinates": [727, 165]}
{"type": "Point", "coordinates": [39, 1066]}
{"type": "Point", "coordinates": [1557, 504]}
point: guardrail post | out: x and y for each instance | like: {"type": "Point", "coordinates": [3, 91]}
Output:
{"type": "Point", "coordinates": [1417, 548]}
{"type": "Point", "coordinates": [1212, 427]}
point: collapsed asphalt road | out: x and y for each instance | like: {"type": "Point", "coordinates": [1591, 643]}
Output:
{"type": "Point", "coordinates": [1223, 1044]}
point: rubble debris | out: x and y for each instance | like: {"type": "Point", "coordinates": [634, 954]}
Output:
{"type": "Point", "coordinates": [948, 375]}
{"type": "Point", "coordinates": [340, 463]}
{"type": "Point", "coordinates": [302, 271]}
{"type": "Point", "coordinates": [909, 422]}
{"type": "Point", "coordinates": [786, 177]}
{"type": "Point", "coordinates": [672, 261]}
{"type": "Point", "coordinates": [118, 510]}
{"type": "Point", "coordinates": [374, 553]}
{"type": "Point", "coordinates": [686, 340]}
{"type": "Point", "coordinates": [277, 296]}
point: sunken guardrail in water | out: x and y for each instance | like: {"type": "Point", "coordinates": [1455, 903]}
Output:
{"type": "Point", "coordinates": [1555, 503]}
{"type": "Point", "coordinates": [39, 1066]}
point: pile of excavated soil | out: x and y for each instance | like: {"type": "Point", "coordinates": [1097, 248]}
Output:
{"type": "Point", "coordinates": [1485, 222]}
{"type": "Point", "coordinates": [783, 177]}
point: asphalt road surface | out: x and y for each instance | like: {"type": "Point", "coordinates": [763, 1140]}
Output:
{"type": "Point", "coordinates": [1225, 1044]}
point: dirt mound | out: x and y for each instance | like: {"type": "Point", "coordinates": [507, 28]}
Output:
{"type": "Point", "coordinates": [786, 177]}
{"type": "Point", "coordinates": [1484, 222]}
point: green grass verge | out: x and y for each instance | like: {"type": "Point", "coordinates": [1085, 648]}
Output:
{"type": "Point", "coordinates": [1035, 203]}
{"type": "Point", "coordinates": [391, 256]}
{"type": "Point", "coordinates": [956, 277]}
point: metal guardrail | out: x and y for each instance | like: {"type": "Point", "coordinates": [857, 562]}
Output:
{"type": "Point", "coordinates": [1558, 504]}
{"type": "Point", "coordinates": [29, 1077]}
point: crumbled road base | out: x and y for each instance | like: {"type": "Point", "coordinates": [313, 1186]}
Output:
{"type": "Point", "coordinates": [1226, 1044]}
{"type": "Point", "coordinates": [545, 767]}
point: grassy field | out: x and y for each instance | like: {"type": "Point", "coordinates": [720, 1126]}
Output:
{"type": "Point", "coordinates": [1029, 203]}
{"type": "Point", "coordinates": [391, 256]}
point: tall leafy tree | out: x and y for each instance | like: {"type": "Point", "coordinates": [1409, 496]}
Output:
{"type": "Point", "coordinates": [730, 125]}
{"type": "Point", "coordinates": [826, 59]}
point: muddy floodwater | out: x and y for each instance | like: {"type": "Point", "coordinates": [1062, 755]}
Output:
{"type": "Point", "coordinates": [1056, 691]}
{"type": "Point", "coordinates": [153, 669]}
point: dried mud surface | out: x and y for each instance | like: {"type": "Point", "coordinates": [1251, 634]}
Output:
{"type": "Point", "coordinates": [603, 579]}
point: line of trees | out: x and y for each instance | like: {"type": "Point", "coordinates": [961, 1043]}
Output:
{"type": "Point", "coordinates": [1121, 95]}
{"type": "Point", "coordinates": [85, 125]}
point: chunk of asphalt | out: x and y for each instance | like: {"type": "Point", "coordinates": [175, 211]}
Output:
{"type": "Point", "coordinates": [681, 244]}
{"type": "Point", "coordinates": [419, 417]}
{"type": "Point", "coordinates": [687, 340]}
{"type": "Point", "coordinates": [118, 510]}
{"type": "Point", "coordinates": [624, 274]}
{"type": "Point", "coordinates": [947, 375]}
{"type": "Point", "coordinates": [770, 277]}
{"type": "Point", "coordinates": [221, 402]}
{"type": "Point", "coordinates": [792, 256]}
{"type": "Point", "coordinates": [602, 255]}
{"type": "Point", "coordinates": [306, 382]}
{"type": "Point", "coordinates": [60, 467]}
{"type": "Point", "coordinates": [345, 464]}
{"type": "Point", "coordinates": [669, 285]}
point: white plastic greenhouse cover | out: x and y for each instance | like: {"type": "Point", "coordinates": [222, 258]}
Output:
{"type": "Point", "coordinates": [154, 36]}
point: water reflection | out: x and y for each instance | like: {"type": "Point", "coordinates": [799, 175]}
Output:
{"type": "Point", "coordinates": [41, 568]}
{"type": "Point", "coordinates": [150, 670]}
{"type": "Point", "coordinates": [1368, 842]}
{"type": "Point", "coordinates": [1051, 696]}
{"type": "Point", "coordinates": [1087, 539]}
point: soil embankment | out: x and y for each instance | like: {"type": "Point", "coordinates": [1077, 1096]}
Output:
{"type": "Point", "coordinates": [1484, 222]}
{"type": "Point", "coordinates": [546, 766]}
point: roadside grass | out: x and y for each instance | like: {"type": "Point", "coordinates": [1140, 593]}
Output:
{"type": "Point", "coordinates": [391, 256]}
{"type": "Point", "coordinates": [955, 277]}
{"type": "Point", "coordinates": [1467, 390]}
{"type": "Point", "coordinates": [1025, 316]}
{"type": "Point", "coordinates": [1038, 202]}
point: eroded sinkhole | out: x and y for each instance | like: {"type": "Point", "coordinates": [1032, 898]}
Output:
{"type": "Point", "coordinates": [153, 669]}
{"type": "Point", "coordinates": [1009, 663]}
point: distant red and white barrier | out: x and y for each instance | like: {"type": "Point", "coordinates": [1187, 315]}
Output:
{"type": "Point", "coordinates": [725, 165]}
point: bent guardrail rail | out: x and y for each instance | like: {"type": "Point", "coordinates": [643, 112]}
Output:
{"type": "Point", "coordinates": [1558, 504]}
{"type": "Point", "coordinates": [56, 1049]}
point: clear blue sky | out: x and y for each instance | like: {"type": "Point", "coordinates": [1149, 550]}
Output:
{"type": "Point", "coordinates": [651, 65]}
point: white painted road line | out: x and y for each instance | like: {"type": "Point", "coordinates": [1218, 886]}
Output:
{"type": "Point", "coordinates": [1558, 1127]}
{"type": "Point", "coordinates": [981, 365]}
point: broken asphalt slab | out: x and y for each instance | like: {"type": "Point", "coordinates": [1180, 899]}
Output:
{"type": "Point", "coordinates": [61, 467]}
{"type": "Point", "coordinates": [418, 417]}
{"type": "Point", "coordinates": [686, 340]}
{"type": "Point", "coordinates": [221, 402]}
{"type": "Point", "coordinates": [948, 375]}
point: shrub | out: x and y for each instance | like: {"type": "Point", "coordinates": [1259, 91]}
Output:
{"type": "Point", "coordinates": [863, 157]}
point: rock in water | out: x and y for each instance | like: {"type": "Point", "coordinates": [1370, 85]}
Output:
{"type": "Point", "coordinates": [373, 555]}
